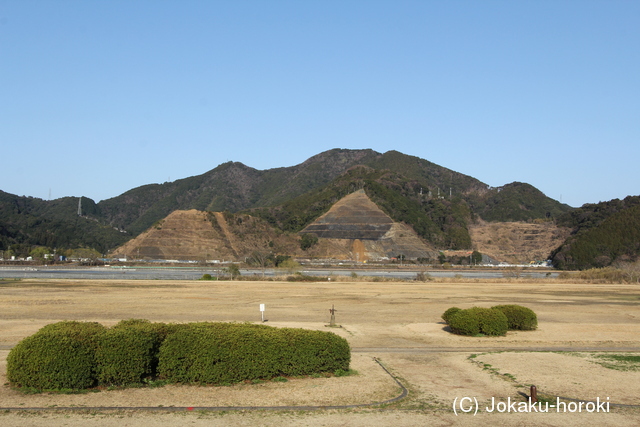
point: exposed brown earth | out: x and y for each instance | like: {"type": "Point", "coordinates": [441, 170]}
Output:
{"type": "Point", "coordinates": [368, 232]}
{"type": "Point", "coordinates": [196, 235]}
{"type": "Point", "coordinates": [354, 228]}
{"type": "Point", "coordinates": [397, 322]}
{"type": "Point", "coordinates": [517, 242]}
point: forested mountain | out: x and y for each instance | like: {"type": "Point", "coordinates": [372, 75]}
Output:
{"type": "Point", "coordinates": [235, 187]}
{"type": "Point", "coordinates": [437, 202]}
{"type": "Point", "coordinates": [26, 222]}
{"type": "Point", "coordinates": [229, 187]}
{"type": "Point", "coordinates": [441, 221]}
{"type": "Point", "coordinates": [604, 234]}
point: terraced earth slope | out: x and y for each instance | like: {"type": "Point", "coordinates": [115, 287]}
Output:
{"type": "Point", "coordinates": [365, 232]}
{"type": "Point", "coordinates": [353, 229]}
{"type": "Point", "coordinates": [353, 217]}
{"type": "Point", "coordinates": [197, 235]}
{"type": "Point", "coordinates": [517, 242]}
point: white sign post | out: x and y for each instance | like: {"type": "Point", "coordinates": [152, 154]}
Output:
{"type": "Point", "coordinates": [262, 311]}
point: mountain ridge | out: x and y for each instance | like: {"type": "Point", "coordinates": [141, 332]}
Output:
{"type": "Point", "coordinates": [437, 202]}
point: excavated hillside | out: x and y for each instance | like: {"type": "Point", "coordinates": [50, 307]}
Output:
{"type": "Point", "coordinates": [356, 228]}
{"type": "Point", "coordinates": [353, 229]}
{"type": "Point", "coordinates": [517, 242]}
{"type": "Point", "coordinates": [197, 235]}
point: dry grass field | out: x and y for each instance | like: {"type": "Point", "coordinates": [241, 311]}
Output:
{"type": "Point", "coordinates": [398, 323]}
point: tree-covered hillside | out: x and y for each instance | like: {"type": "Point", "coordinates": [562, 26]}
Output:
{"type": "Point", "coordinates": [26, 222]}
{"type": "Point", "coordinates": [604, 234]}
{"type": "Point", "coordinates": [437, 202]}
{"type": "Point", "coordinates": [231, 187]}
{"type": "Point", "coordinates": [516, 202]}
{"type": "Point", "coordinates": [235, 187]}
{"type": "Point", "coordinates": [438, 220]}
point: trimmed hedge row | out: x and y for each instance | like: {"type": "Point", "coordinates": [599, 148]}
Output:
{"type": "Point", "coordinates": [221, 353]}
{"type": "Point", "coordinates": [77, 355]}
{"type": "Point", "coordinates": [58, 356]}
{"type": "Point", "coordinates": [490, 321]}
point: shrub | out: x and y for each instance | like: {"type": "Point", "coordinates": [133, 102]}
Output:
{"type": "Point", "coordinates": [423, 276]}
{"type": "Point", "coordinates": [464, 322]}
{"type": "Point", "coordinates": [221, 353]}
{"type": "Point", "coordinates": [304, 352]}
{"type": "Point", "coordinates": [161, 329]}
{"type": "Point", "coordinates": [204, 353]}
{"type": "Point", "coordinates": [87, 332]}
{"type": "Point", "coordinates": [308, 240]}
{"type": "Point", "coordinates": [74, 355]}
{"type": "Point", "coordinates": [478, 320]}
{"type": "Point", "coordinates": [492, 322]}
{"type": "Point", "coordinates": [519, 317]}
{"type": "Point", "coordinates": [58, 356]}
{"type": "Point", "coordinates": [449, 312]}
{"type": "Point", "coordinates": [126, 355]}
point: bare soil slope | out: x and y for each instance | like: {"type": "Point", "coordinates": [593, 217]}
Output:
{"type": "Point", "coordinates": [363, 231]}
{"type": "Point", "coordinates": [355, 228]}
{"type": "Point", "coordinates": [196, 235]}
{"type": "Point", "coordinates": [517, 242]}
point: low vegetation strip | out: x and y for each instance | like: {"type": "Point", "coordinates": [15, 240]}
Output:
{"type": "Point", "coordinates": [80, 355]}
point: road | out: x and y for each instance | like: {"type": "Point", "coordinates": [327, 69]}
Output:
{"type": "Point", "coordinates": [195, 273]}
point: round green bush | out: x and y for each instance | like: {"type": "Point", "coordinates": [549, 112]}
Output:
{"type": "Point", "coordinates": [519, 317]}
{"type": "Point", "coordinates": [59, 356]}
{"type": "Point", "coordinates": [222, 353]}
{"type": "Point", "coordinates": [449, 312]}
{"type": "Point", "coordinates": [478, 320]}
{"type": "Point", "coordinates": [464, 322]}
{"type": "Point", "coordinates": [492, 322]}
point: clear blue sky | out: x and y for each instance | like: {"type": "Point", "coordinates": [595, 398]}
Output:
{"type": "Point", "coordinates": [98, 97]}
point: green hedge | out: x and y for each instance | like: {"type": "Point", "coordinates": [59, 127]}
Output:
{"type": "Point", "coordinates": [222, 353]}
{"type": "Point", "coordinates": [58, 356]}
{"type": "Point", "coordinates": [519, 317]}
{"type": "Point", "coordinates": [77, 355]}
{"type": "Point", "coordinates": [87, 332]}
{"type": "Point", "coordinates": [303, 352]}
{"type": "Point", "coordinates": [126, 355]}
{"type": "Point", "coordinates": [479, 320]}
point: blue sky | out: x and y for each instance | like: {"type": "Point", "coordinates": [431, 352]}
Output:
{"type": "Point", "coordinates": [98, 97]}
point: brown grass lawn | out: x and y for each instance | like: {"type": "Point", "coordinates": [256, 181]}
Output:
{"type": "Point", "coordinates": [399, 323]}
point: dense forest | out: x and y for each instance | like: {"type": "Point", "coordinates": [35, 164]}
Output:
{"type": "Point", "coordinates": [605, 234]}
{"type": "Point", "coordinates": [27, 222]}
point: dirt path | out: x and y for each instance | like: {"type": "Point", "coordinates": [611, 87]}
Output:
{"type": "Point", "coordinates": [222, 222]}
